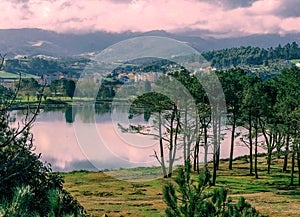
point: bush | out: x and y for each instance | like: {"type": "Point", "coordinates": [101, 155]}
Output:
{"type": "Point", "coordinates": [27, 184]}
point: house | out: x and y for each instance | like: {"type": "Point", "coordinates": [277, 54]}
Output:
{"type": "Point", "coordinates": [150, 76]}
{"type": "Point", "coordinates": [131, 76]}
{"type": "Point", "coordinates": [210, 69]}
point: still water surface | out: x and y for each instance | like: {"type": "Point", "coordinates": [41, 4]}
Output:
{"type": "Point", "coordinates": [77, 138]}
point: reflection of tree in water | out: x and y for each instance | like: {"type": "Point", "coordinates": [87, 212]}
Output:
{"type": "Point", "coordinates": [70, 114]}
{"type": "Point", "coordinates": [86, 113]}
{"type": "Point", "coordinates": [54, 107]}
{"type": "Point", "coordinates": [121, 107]}
{"type": "Point", "coordinates": [103, 108]}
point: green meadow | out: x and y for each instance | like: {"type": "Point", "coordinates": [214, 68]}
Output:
{"type": "Point", "coordinates": [294, 61]}
{"type": "Point", "coordinates": [111, 193]}
{"type": "Point", "coordinates": [4, 74]}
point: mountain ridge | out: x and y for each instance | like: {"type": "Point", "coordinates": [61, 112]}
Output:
{"type": "Point", "coordinates": [33, 41]}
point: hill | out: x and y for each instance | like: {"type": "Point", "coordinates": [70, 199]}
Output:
{"type": "Point", "coordinates": [32, 42]}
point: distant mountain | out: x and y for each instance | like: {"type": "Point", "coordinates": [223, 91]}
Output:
{"type": "Point", "coordinates": [32, 42]}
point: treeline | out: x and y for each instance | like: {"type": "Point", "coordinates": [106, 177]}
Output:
{"type": "Point", "coordinates": [251, 55]}
{"type": "Point", "coordinates": [86, 88]}
{"type": "Point", "coordinates": [29, 87]}
{"type": "Point", "coordinates": [188, 118]}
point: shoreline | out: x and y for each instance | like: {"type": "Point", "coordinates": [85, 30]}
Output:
{"type": "Point", "coordinates": [134, 169]}
{"type": "Point", "coordinates": [60, 102]}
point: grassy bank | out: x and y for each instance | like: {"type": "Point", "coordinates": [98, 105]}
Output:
{"type": "Point", "coordinates": [33, 101]}
{"type": "Point", "coordinates": [102, 193]}
{"type": "Point", "coordinates": [7, 75]}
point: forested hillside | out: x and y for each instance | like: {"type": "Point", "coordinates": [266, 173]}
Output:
{"type": "Point", "coordinates": [252, 55]}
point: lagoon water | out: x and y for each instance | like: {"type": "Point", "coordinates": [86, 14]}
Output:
{"type": "Point", "coordinates": [85, 138]}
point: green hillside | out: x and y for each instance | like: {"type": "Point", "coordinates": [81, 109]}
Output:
{"type": "Point", "coordinates": [4, 74]}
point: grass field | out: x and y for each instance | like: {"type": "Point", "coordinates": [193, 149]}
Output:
{"type": "Point", "coordinates": [4, 74]}
{"type": "Point", "coordinates": [102, 193]}
{"type": "Point", "coordinates": [295, 61]}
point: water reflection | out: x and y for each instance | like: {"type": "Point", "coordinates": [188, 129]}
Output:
{"type": "Point", "coordinates": [55, 138]}
{"type": "Point", "coordinates": [107, 147]}
{"type": "Point", "coordinates": [70, 114]}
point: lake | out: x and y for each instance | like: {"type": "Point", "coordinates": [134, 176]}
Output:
{"type": "Point", "coordinates": [88, 138]}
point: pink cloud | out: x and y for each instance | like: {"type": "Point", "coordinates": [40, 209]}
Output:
{"type": "Point", "coordinates": [262, 16]}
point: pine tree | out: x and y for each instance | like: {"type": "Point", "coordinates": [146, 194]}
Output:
{"type": "Point", "coordinates": [190, 199]}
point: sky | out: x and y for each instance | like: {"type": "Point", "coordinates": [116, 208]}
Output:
{"type": "Point", "coordinates": [215, 18]}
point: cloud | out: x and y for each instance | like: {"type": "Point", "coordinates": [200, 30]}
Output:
{"type": "Point", "coordinates": [21, 1]}
{"type": "Point", "coordinates": [238, 3]}
{"type": "Point", "coordinates": [219, 18]}
{"type": "Point", "coordinates": [288, 8]}
{"type": "Point", "coordinates": [230, 4]}
{"type": "Point", "coordinates": [66, 4]}
{"type": "Point", "coordinates": [121, 1]}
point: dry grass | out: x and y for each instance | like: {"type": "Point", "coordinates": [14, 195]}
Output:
{"type": "Point", "coordinates": [101, 193]}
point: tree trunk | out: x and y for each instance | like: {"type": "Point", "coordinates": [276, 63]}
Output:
{"type": "Point", "coordinates": [250, 143]}
{"type": "Point", "coordinates": [196, 154]}
{"type": "Point", "coordinates": [171, 146]}
{"type": "Point", "coordinates": [270, 144]}
{"type": "Point", "coordinates": [197, 162]}
{"type": "Point", "coordinates": [286, 155]}
{"type": "Point", "coordinates": [215, 149]}
{"type": "Point", "coordinates": [214, 178]}
{"type": "Point", "coordinates": [185, 154]}
{"type": "Point", "coordinates": [255, 160]}
{"type": "Point", "coordinates": [205, 145]}
{"type": "Point", "coordinates": [278, 144]}
{"type": "Point", "coordinates": [269, 156]}
{"type": "Point", "coordinates": [189, 144]}
{"type": "Point", "coordinates": [219, 141]}
{"type": "Point", "coordinates": [172, 149]}
{"type": "Point", "coordinates": [161, 147]}
{"type": "Point", "coordinates": [232, 141]}
{"type": "Point", "coordinates": [293, 167]}
{"type": "Point", "coordinates": [197, 147]}
{"type": "Point", "coordinates": [175, 142]}
{"type": "Point", "coordinates": [269, 160]}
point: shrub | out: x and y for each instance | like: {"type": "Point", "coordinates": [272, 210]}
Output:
{"type": "Point", "coordinates": [28, 187]}
{"type": "Point", "coordinates": [190, 199]}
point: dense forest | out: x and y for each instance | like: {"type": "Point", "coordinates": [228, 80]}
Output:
{"type": "Point", "coordinates": [242, 56]}
{"type": "Point", "coordinates": [43, 65]}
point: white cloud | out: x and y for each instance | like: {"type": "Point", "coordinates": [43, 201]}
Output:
{"type": "Point", "coordinates": [219, 17]}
